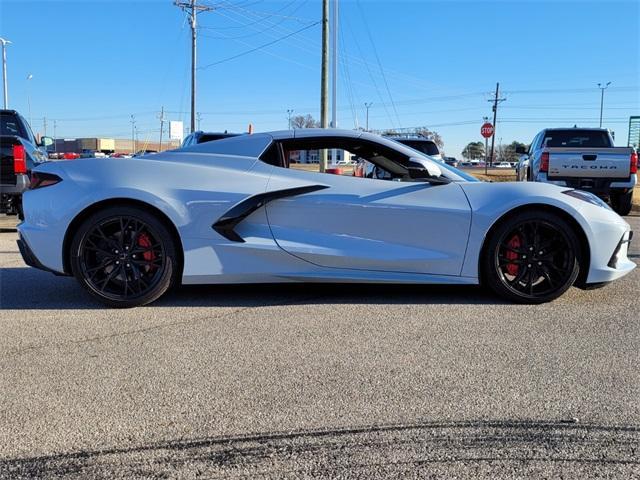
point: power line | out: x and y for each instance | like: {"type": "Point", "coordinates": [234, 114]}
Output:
{"type": "Point", "coordinates": [247, 52]}
{"type": "Point", "coordinates": [375, 51]}
{"type": "Point", "coordinates": [258, 32]}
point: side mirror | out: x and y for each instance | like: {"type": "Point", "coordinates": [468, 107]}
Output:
{"type": "Point", "coordinates": [46, 142]}
{"type": "Point", "coordinates": [423, 169]}
{"type": "Point", "coordinates": [521, 150]}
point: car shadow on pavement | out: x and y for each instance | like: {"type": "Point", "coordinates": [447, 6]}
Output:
{"type": "Point", "coordinates": [508, 448]}
{"type": "Point", "coordinates": [29, 288]}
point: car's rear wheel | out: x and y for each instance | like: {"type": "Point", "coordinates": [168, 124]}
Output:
{"type": "Point", "coordinates": [531, 257]}
{"type": "Point", "coordinates": [124, 256]}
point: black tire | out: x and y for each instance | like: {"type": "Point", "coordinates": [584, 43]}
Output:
{"type": "Point", "coordinates": [531, 257]}
{"type": "Point", "coordinates": [621, 202]}
{"type": "Point", "coordinates": [124, 256]}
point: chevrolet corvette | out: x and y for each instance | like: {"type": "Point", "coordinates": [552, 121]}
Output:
{"type": "Point", "coordinates": [232, 211]}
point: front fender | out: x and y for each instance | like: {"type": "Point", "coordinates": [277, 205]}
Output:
{"type": "Point", "coordinates": [490, 202]}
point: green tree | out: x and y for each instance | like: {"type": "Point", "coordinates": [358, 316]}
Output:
{"type": "Point", "coordinates": [507, 153]}
{"type": "Point", "coordinates": [474, 151]}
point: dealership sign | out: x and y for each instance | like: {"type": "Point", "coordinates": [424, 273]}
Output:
{"type": "Point", "coordinates": [176, 130]}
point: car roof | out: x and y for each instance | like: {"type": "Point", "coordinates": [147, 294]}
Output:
{"type": "Point", "coordinates": [595, 129]}
{"type": "Point", "coordinates": [255, 143]}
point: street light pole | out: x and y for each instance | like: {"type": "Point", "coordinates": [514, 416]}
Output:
{"type": "Point", "coordinates": [289, 112]}
{"type": "Point", "coordinates": [29, 77]}
{"type": "Point", "coordinates": [367, 105]}
{"type": "Point", "coordinates": [4, 71]}
{"type": "Point", "coordinates": [602, 89]}
{"type": "Point", "coordinates": [486, 148]}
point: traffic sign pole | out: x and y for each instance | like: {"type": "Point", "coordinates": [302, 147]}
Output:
{"type": "Point", "coordinates": [486, 131]}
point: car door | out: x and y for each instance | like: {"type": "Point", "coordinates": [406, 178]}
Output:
{"type": "Point", "coordinates": [370, 224]}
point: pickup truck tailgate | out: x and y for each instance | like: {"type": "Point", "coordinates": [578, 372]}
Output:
{"type": "Point", "coordinates": [610, 162]}
{"type": "Point", "coordinates": [7, 175]}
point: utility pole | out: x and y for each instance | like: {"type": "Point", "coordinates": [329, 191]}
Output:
{"type": "Point", "coordinates": [161, 117]}
{"type": "Point", "coordinates": [4, 71]}
{"type": "Point", "coordinates": [289, 112]}
{"type": "Point", "coordinates": [133, 133]}
{"type": "Point", "coordinates": [334, 65]}
{"type": "Point", "coordinates": [55, 146]}
{"type": "Point", "coordinates": [334, 74]}
{"type": "Point", "coordinates": [496, 99]}
{"type": "Point", "coordinates": [44, 125]}
{"type": "Point", "coordinates": [193, 9]}
{"type": "Point", "coordinates": [324, 81]}
{"type": "Point", "coordinates": [367, 105]}
{"type": "Point", "coordinates": [602, 89]}
{"type": "Point", "coordinates": [199, 115]}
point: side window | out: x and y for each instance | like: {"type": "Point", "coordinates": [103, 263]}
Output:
{"type": "Point", "coordinates": [27, 131]}
{"type": "Point", "coordinates": [349, 156]}
{"type": "Point", "coordinates": [534, 143]}
{"type": "Point", "coordinates": [272, 156]}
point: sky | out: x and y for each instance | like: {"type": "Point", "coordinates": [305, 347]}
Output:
{"type": "Point", "coordinates": [93, 64]}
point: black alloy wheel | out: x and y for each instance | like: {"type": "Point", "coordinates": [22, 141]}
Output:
{"type": "Point", "coordinates": [124, 256]}
{"type": "Point", "coordinates": [532, 258]}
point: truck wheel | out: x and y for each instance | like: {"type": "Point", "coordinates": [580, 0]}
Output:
{"type": "Point", "coordinates": [621, 202]}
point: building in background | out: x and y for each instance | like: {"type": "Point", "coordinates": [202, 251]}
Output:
{"type": "Point", "coordinates": [108, 146]}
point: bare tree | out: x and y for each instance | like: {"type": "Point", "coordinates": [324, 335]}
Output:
{"type": "Point", "coordinates": [304, 121]}
{"type": "Point", "coordinates": [431, 135]}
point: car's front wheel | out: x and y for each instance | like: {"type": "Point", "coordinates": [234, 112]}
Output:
{"type": "Point", "coordinates": [531, 257]}
{"type": "Point", "coordinates": [622, 202]}
{"type": "Point", "coordinates": [124, 256]}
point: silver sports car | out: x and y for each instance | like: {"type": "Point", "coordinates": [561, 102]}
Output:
{"type": "Point", "coordinates": [232, 211]}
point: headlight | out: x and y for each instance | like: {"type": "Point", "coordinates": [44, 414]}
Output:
{"type": "Point", "coordinates": [587, 197]}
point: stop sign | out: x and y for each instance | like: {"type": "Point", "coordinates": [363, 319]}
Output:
{"type": "Point", "coordinates": [486, 130]}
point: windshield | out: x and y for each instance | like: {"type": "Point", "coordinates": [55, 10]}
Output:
{"type": "Point", "coordinates": [450, 172]}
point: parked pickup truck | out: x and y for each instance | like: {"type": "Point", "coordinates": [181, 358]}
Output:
{"type": "Point", "coordinates": [584, 159]}
{"type": "Point", "coordinates": [19, 153]}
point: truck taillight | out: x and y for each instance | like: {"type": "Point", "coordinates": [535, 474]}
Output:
{"type": "Point", "coordinates": [633, 162]}
{"type": "Point", "coordinates": [19, 159]}
{"type": "Point", "coordinates": [544, 162]}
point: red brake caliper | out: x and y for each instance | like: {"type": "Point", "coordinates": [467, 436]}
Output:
{"type": "Point", "coordinates": [145, 242]}
{"type": "Point", "coordinates": [513, 268]}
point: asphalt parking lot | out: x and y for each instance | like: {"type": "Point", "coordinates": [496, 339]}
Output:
{"type": "Point", "coordinates": [302, 381]}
